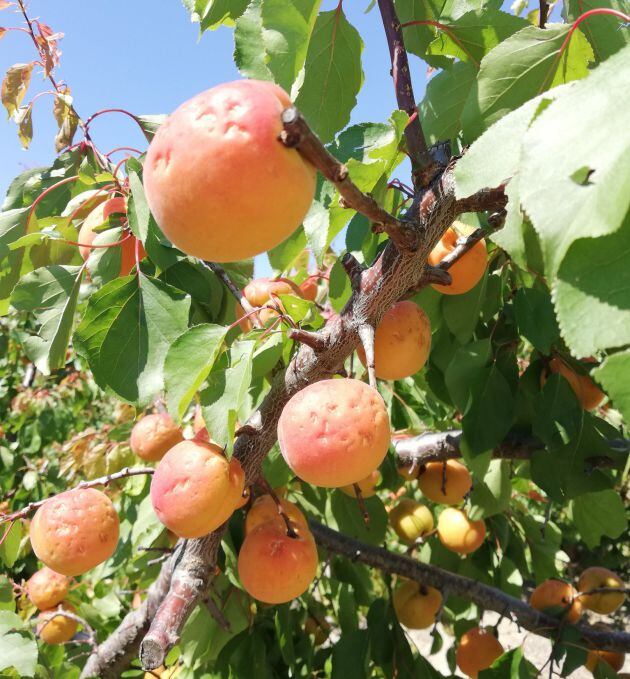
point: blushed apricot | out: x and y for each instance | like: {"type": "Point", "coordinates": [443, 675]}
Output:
{"type": "Point", "coordinates": [597, 577]}
{"type": "Point", "coordinates": [411, 520]}
{"type": "Point", "coordinates": [478, 649]}
{"type": "Point", "coordinates": [54, 628]}
{"type": "Point", "coordinates": [154, 435]}
{"type": "Point", "coordinates": [416, 605]}
{"type": "Point", "coordinates": [334, 432]}
{"type": "Point", "coordinates": [258, 293]}
{"type": "Point", "coordinates": [195, 488]}
{"type": "Point", "coordinates": [265, 510]}
{"type": "Point", "coordinates": [275, 568]}
{"type": "Point", "coordinates": [401, 342]}
{"type": "Point", "coordinates": [612, 658]}
{"type": "Point", "coordinates": [587, 392]}
{"type": "Point", "coordinates": [97, 217]}
{"type": "Point", "coordinates": [220, 184]}
{"type": "Point", "coordinates": [46, 589]}
{"type": "Point", "coordinates": [467, 271]}
{"type": "Point", "coordinates": [309, 288]}
{"type": "Point", "coordinates": [458, 533]}
{"type": "Point", "coordinates": [445, 482]}
{"type": "Point", "coordinates": [367, 486]}
{"type": "Point", "coordinates": [556, 594]}
{"type": "Point", "coordinates": [75, 531]}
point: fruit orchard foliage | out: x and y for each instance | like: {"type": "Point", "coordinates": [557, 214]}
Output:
{"type": "Point", "coordinates": [544, 108]}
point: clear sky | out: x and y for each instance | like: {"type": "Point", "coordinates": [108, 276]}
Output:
{"type": "Point", "coordinates": [146, 56]}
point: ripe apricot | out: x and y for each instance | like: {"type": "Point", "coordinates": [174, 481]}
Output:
{"type": "Point", "coordinates": [401, 342]}
{"type": "Point", "coordinates": [154, 435]}
{"type": "Point", "coordinates": [195, 488]}
{"type": "Point", "coordinates": [416, 605]}
{"type": "Point", "coordinates": [265, 510]}
{"type": "Point", "coordinates": [220, 184]}
{"type": "Point", "coordinates": [75, 531]}
{"type": "Point", "coordinates": [458, 533]}
{"type": "Point", "coordinates": [604, 602]}
{"type": "Point", "coordinates": [275, 568]}
{"type": "Point", "coordinates": [97, 218]}
{"type": "Point", "coordinates": [54, 628]}
{"type": "Point", "coordinates": [334, 432]}
{"type": "Point", "coordinates": [445, 482]}
{"type": "Point", "coordinates": [478, 649]}
{"type": "Point", "coordinates": [587, 392]}
{"type": "Point", "coordinates": [556, 594]}
{"type": "Point", "coordinates": [612, 658]}
{"type": "Point", "coordinates": [258, 293]}
{"type": "Point", "coordinates": [411, 520]}
{"type": "Point", "coordinates": [409, 472]}
{"type": "Point", "coordinates": [367, 486]}
{"type": "Point", "coordinates": [309, 288]}
{"type": "Point", "coordinates": [46, 589]}
{"type": "Point", "coordinates": [468, 270]}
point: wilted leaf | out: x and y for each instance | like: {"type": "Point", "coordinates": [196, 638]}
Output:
{"type": "Point", "coordinates": [67, 120]}
{"type": "Point", "coordinates": [14, 86]}
{"type": "Point", "coordinates": [24, 119]}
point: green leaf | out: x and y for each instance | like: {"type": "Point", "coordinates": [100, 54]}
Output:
{"type": "Point", "coordinates": [14, 86]}
{"type": "Point", "coordinates": [10, 548]}
{"type": "Point", "coordinates": [605, 33]}
{"type": "Point", "coordinates": [521, 67]}
{"type": "Point", "coordinates": [351, 655]}
{"type": "Point", "coordinates": [213, 13]}
{"type": "Point", "coordinates": [544, 545]}
{"type": "Point", "coordinates": [511, 665]}
{"type": "Point", "coordinates": [150, 124]}
{"type": "Point", "coordinates": [188, 363]}
{"type": "Point", "coordinates": [347, 514]}
{"type": "Point", "coordinates": [285, 627]}
{"type": "Point", "coordinates": [332, 74]}
{"type": "Point", "coordinates": [7, 596]}
{"type": "Point", "coordinates": [613, 376]}
{"type": "Point", "coordinates": [491, 494]}
{"type": "Point", "coordinates": [16, 650]}
{"type": "Point", "coordinates": [128, 327]}
{"type": "Point", "coordinates": [466, 370]}
{"type": "Point", "coordinates": [271, 39]}
{"type": "Point", "coordinates": [573, 121]}
{"type": "Point", "coordinates": [461, 312]}
{"type": "Point", "coordinates": [536, 318]}
{"type": "Point", "coordinates": [599, 514]}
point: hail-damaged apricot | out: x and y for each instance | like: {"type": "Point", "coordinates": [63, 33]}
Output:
{"type": "Point", "coordinates": [265, 510]}
{"type": "Point", "coordinates": [465, 272]}
{"type": "Point", "coordinates": [478, 649]}
{"type": "Point", "coordinates": [401, 342]}
{"type": "Point", "coordinates": [75, 531]}
{"type": "Point", "coordinates": [557, 598]}
{"type": "Point", "coordinates": [416, 605]}
{"type": "Point", "coordinates": [46, 589]}
{"type": "Point", "coordinates": [445, 482]}
{"type": "Point", "coordinates": [411, 520]}
{"type": "Point", "coordinates": [335, 432]}
{"type": "Point", "coordinates": [587, 392]}
{"type": "Point", "coordinates": [258, 293]}
{"type": "Point", "coordinates": [220, 184]}
{"type": "Point", "coordinates": [367, 486]}
{"type": "Point", "coordinates": [154, 435]}
{"type": "Point", "coordinates": [458, 533]}
{"type": "Point", "coordinates": [195, 488]}
{"type": "Point", "coordinates": [99, 216]}
{"type": "Point", "coordinates": [54, 628]}
{"type": "Point", "coordinates": [274, 567]}
{"type": "Point", "coordinates": [597, 577]}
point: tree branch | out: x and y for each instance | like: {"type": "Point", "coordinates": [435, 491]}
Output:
{"type": "Point", "coordinates": [484, 596]}
{"type": "Point", "coordinates": [492, 200]}
{"type": "Point", "coordinates": [249, 310]}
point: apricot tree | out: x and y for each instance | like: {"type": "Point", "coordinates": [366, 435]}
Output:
{"type": "Point", "coordinates": [418, 421]}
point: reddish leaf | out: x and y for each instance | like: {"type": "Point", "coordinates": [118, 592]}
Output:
{"type": "Point", "coordinates": [4, 4]}
{"type": "Point", "coordinates": [47, 41]}
{"type": "Point", "coordinates": [14, 86]}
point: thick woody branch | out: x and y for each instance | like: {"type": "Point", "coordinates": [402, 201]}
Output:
{"type": "Point", "coordinates": [485, 200]}
{"type": "Point", "coordinates": [311, 339]}
{"type": "Point", "coordinates": [366, 333]}
{"type": "Point", "coordinates": [353, 268]}
{"type": "Point", "coordinates": [297, 134]}
{"type": "Point", "coordinates": [486, 597]}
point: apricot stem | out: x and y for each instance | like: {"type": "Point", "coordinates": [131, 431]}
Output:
{"type": "Point", "coordinates": [249, 310]}
{"type": "Point", "coordinates": [361, 501]}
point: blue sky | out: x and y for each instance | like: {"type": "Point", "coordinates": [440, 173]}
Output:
{"type": "Point", "coordinates": [145, 56]}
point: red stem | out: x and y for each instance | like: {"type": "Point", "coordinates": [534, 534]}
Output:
{"type": "Point", "coordinates": [447, 30]}
{"type": "Point", "coordinates": [112, 110]}
{"type": "Point", "coordinates": [123, 148]}
{"type": "Point", "coordinates": [44, 193]}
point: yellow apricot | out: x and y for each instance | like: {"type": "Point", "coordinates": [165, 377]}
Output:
{"type": "Point", "coordinates": [258, 293]}
{"type": "Point", "coordinates": [154, 435]}
{"type": "Point", "coordinates": [265, 510]}
{"type": "Point", "coordinates": [416, 605]}
{"type": "Point", "coordinates": [478, 649]}
{"type": "Point", "coordinates": [612, 658]}
{"type": "Point", "coordinates": [445, 482]}
{"type": "Point", "coordinates": [367, 486]}
{"type": "Point", "coordinates": [54, 628]}
{"type": "Point", "coordinates": [458, 533]}
{"type": "Point", "coordinates": [597, 577]}
{"type": "Point", "coordinates": [556, 594]}
{"type": "Point", "coordinates": [46, 589]}
{"type": "Point", "coordinates": [467, 271]}
{"type": "Point", "coordinates": [587, 392]}
{"type": "Point", "coordinates": [411, 520]}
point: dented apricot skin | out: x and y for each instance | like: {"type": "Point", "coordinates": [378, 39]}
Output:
{"type": "Point", "coordinates": [220, 184]}
{"type": "Point", "coordinates": [46, 588]}
{"type": "Point", "coordinates": [154, 435]}
{"type": "Point", "coordinates": [75, 531]}
{"type": "Point", "coordinates": [335, 432]}
{"type": "Point", "coordinates": [195, 489]}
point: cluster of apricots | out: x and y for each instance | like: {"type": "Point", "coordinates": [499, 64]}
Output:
{"type": "Point", "coordinates": [47, 591]}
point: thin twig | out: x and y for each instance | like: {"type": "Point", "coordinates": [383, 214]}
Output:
{"type": "Point", "coordinates": [236, 293]}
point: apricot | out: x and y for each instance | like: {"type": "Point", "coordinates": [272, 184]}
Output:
{"type": "Point", "coordinates": [556, 594]}
{"type": "Point", "coordinates": [220, 184]}
{"type": "Point", "coordinates": [401, 342]}
{"type": "Point", "coordinates": [275, 568]}
{"type": "Point", "coordinates": [458, 533]}
{"type": "Point", "coordinates": [46, 589]}
{"type": "Point", "coordinates": [367, 486]}
{"type": "Point", "coordinates": [195, 488]}
{"type": "Point", "coordinates": [154, 435]}
{"type": "Point", "coordinates": [587, 392]}
{"type": "Point", "coordinates": [97, 218]}
{"type": "Point", "coordinates": [411, 520]}
{"type": "Point", "coordinates": [612, 658]}
{"type": "Point", "coordinates": [478, 649]}
{"type": "Point", "coordinates": [318, 630]}
{"type": "Point", "coordinates": [445, 482]}
{"type": "Point", "coordinates": [258, 293]}
{"type": "Point", "coordinates": [604, 602]}
{"type": "Point", "coordinates": [334, 432]}
{"type": "Point", "coordinates": [75, 531]}
{"type": "Point", "coordinates": [309, 288]}
{"type": "Point", "coordinates": [409, 472]}
{"type": "Point", "coordinates": [416, 605]}
{"type": "Point", "coordinates": [54, 628]}
{"type": "Point", "coordinates": [467, 271]}
{"type": "Point", "coordinates": [265, 510]}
